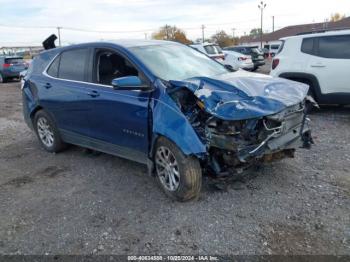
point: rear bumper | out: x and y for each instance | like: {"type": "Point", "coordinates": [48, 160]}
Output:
{"type": "Point", "coordinates": [7, 74]}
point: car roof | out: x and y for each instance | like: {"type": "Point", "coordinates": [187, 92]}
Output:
{"type": "Point", "coordinates": [326, 33]}
{"type": "Point", "coordinates": [121, 43]}
{"type": "Point", "coordinates": [204, 44]}
{"type": "Point", "coordinates": [245, 46]}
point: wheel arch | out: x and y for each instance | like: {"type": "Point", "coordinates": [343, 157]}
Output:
{"type": "Point", "coordinates": [309, 78]}
{"type": "Point", "coordinates": [34, 111]}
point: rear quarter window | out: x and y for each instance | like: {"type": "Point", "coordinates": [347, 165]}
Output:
{"type": "Point", "coordinates": [53, 69]}
{"type": "Point", "coordinates": [307, 46]}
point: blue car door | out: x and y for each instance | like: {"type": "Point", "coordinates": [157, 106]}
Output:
{"type": "Point", "coordinates": [118, 121]}
{"type": "Point", "coordinates": [65, 93]}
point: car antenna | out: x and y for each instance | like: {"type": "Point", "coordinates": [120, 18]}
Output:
{"type": "Point", "coordinates": [49, 43]}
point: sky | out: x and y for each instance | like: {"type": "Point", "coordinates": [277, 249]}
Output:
{"type": "Point", "coordinates": [137, 19]}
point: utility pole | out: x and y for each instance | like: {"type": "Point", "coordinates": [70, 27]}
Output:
{"type": "Point", "coordinates": [233, 36]}
{"type": "Point", "coordinates": [233, 32]}
{"type": "Point", "coordinates": [261, 6]}
{"type": "Point", "coordinates": [166, 32]}
{"type": "Point", "coordinates": [59, 35]}
{"type": "Point", "coordinates": [273, 23]}
{"type": "Point", "coordinates": [203, 27]}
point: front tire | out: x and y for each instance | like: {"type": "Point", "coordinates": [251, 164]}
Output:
{"type": "Point", "coordinates": [47, 132]}
{"type": "Point", "coordinates": [180, 176]}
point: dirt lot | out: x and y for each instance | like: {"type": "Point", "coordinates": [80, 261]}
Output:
{"type": "Point", "coordinates": [80, 203]}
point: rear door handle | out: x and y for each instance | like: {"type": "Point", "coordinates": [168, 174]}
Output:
{"type": "Point", "coordinates": [47, 85]}
{"type": "Point", "coordinates": [94, 93]}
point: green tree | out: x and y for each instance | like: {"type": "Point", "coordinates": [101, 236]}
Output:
{"type": "Point", "coordinates": [255, 32]}
{"type": "Point", "coordinates": [223, 39]}
{"type": "Point", "coordinates": [171, 33]}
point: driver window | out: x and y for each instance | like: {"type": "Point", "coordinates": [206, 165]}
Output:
{"type": "Point", "coordinates": [110, 65]}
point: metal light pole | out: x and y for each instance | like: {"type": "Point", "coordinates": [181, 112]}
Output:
{"type": "Point", "coordinates": [233, 35]}
{"type": "Point", "coordinates": [203, 27]}
{"type": "Point", "coordinates": [59, 35]}
{"type": "Point", "coordinates": [261, 6]}
{"type": "Point", "coordinates": [233, 32]}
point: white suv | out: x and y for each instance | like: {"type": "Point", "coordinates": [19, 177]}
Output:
{"type": "Point", "coordinates": [321, 60]}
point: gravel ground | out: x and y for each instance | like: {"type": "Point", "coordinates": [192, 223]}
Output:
{"type": "Point", "coordinates": [76, 202]}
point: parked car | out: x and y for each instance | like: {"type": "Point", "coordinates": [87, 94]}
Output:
{"type": "Point", "coordinates": [211, 50]}
{"type": "Point", "coordinates": [10, 67]}
{"type": "Point", "coordinates": [253, 51]}
{"type": "Point", "coordinates": [271, 50]}
{"type": "Point", "coordinates": [320, 60]}
{"type": "Point", "coordinates": [266, 51]}
{"type": "Point", "coordinates": [165, 105]}
{"type": "Point", "coordinates": [238, 60]}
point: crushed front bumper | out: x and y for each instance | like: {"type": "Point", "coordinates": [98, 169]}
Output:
{"type": "Point", "coordinates": [279, 136]}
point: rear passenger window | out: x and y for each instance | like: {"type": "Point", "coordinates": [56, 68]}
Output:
{"type": "Point", "coordinates": [53, 69]}
{"type": "Point", "coordinates": [72, 64]}
{"type": "Point", "coordinates": [337, 47]}
{"type": "Point", "coordinates": [307, 46]}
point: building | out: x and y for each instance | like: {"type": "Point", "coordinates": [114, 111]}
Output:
{"type": "Point", "coordinates": [271, 39]}
{"type": "Point", "coordinates": [27, 51]}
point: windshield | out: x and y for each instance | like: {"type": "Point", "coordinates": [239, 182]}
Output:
{"type": "Point", "coordinates": [177, 62]}
{"type": "Point", "coordinates": [257, 50]}
{"type": "Point", "coordinates": [16, 60]}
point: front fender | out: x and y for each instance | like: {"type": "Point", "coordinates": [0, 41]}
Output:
{"type": "Point", "coordinates": [170, 122]}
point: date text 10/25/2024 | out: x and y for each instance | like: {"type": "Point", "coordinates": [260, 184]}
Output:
{"type": "Point", "coordinates": [172, 258]}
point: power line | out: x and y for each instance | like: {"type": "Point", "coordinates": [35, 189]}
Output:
{"type": "Point", "coordinates": [117, 31]}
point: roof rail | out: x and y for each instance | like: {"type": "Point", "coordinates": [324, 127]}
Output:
{"type": "Point", "coordinates": [324, 30]}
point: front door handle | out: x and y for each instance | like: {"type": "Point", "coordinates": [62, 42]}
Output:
{"type": "Point", "coordinates": [93, 93]}
{"type": "Point", "coordinates": [318, 65]}
{"type": "Point", "coordinates": [47, 85]}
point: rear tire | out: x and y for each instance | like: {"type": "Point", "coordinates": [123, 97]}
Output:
{"type": "Point", "coordinates": [47, 132]}
{"type": "Point", "coordinates": [180, 176]}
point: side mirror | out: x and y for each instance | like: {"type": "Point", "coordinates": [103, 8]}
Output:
{"type": "Point", "coordinates": [129, 83]}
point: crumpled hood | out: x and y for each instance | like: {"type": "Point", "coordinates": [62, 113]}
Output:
{"type": "Point", "coordinates": [244, 95]}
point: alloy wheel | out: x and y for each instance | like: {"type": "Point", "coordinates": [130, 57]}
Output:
{"type": "Point", "coordinates": [45, 132]}
{"type": "Point", "coordinates": [167, 168]}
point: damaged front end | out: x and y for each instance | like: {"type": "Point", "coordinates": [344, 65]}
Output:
{"type": "Point", "coordinates": [236, 144]}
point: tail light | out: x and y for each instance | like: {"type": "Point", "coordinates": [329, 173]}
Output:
{"type": "Point", "coordinates": [6, 65]}
{"type": "Point", "coordinates": [275, 63]}
{"type": "Point", "coordinates": [242, 58]}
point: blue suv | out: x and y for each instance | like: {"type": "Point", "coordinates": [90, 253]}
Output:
{"type": "Point", "coordinates": [165, 105]}
{"type": "Point", "coordinates": [11, 67]}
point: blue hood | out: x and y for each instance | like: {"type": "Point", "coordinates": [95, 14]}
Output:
{"type": "Point", "coordinates": [243, 95]}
